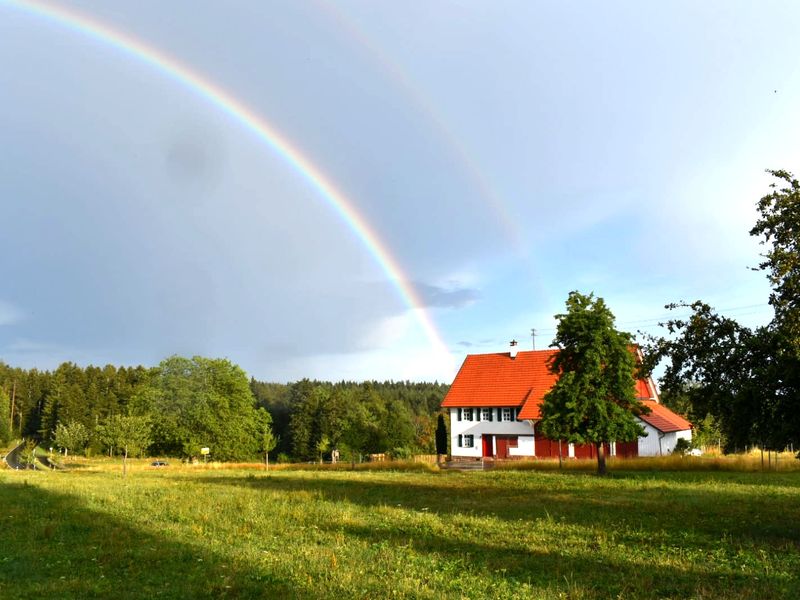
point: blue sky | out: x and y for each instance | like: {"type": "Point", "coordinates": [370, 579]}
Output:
{"type": "Point", "coordinates": [506, 153]}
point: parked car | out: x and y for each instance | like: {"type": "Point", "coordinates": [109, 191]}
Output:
{"type": "Point", "coordinates": [159, 463]}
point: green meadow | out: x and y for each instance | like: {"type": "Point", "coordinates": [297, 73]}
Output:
{"type": "Point", "coordinates": [184, 532]}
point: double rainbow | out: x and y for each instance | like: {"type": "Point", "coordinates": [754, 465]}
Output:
{"type": "Point", "coordinates": [259, 127]}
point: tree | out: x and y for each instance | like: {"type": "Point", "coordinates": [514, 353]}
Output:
{"type": "Point", "coordinates": [268, 439]}
{"type": "Point", "coordinates": [323, 445]}
{"type": "Point", "coordinates": [441, 436]}
{"type": "Point", "coordinates": [71, 436]}
{"type": "Point", "coordinates": [747, 379]}
{"type": "Point", "coordinates": [779, 223]}
{"type": "Point", "coordinates": [594, 399]}
{"type": "Point", "coordinates": [130, 434]}
{"type": "Point", "coordinates": [202, 402]}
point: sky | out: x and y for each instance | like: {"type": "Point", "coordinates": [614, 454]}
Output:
{"type": "Point", "coordinates": [500, 154]}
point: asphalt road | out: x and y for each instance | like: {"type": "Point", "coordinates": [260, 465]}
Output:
{"type": "Point", "coordinates": [14, 459]}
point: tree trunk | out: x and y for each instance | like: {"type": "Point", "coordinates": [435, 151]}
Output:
{"type": "Point", "coordinates": [601, 459]}
{"type": "Point", "coordinates": [13, 403]}
{"type": "Point", "coordinates": [266, 460]}
{"type": "Point", "coordinates": [560, 459]}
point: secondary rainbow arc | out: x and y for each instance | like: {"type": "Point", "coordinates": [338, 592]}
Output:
{"type": "Point", "coordinates": [258, 126]}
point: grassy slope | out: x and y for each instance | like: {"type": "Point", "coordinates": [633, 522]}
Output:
{"type": "Point", "coordinates": [188, 533]}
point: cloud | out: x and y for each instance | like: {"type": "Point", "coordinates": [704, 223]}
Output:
{"type": "Point", "coordinates": [446, 297]}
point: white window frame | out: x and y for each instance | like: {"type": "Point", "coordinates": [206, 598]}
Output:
{"type": "Point", "coordinates": [506, 414]}
{"type": "Point", "coordinates": [468, 440]}
{"type": "Point", "coordinates": [466, 414]}
{"type": "Point", "coordinates": [486, 414]}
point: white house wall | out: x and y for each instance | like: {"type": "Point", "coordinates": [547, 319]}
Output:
{"type": "Point", "coordinates": [480, 428]}
{"type": "Point", "coordinates": [649, 445]}
{"type": "Point", "coordinates": [525, 446]}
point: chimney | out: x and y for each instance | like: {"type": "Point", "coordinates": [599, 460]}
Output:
{"type": "Point", "coordinates": [513, 348]}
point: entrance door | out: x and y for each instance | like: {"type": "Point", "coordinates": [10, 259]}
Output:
{"type": "Point", "coordinates": [502, 447]}
{"type": "Point", "coordinates": [487, 446]}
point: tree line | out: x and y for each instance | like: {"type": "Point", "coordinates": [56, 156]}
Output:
{"type": "Point", "coordinates": [311, 418]}
{"type": "Point", "coordinates": [185, 404]}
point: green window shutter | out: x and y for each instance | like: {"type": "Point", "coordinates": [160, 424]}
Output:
{"type": "Point", "coordinates": [499, 414]}
{"type": "Point", "coordinates": [491, 414]}
{"type": "Point", "coordinates": [459, 418]}
{"type": "Point", "coordinates": [460, 440]}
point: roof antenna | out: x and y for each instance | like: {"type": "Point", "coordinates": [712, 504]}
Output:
{"type": "Point", "coordinates": [533, 336]}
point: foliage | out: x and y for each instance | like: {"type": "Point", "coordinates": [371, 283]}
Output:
{"type": "Point", "coordinates": [747, 380]}
{"type": "Point", "coordinates": [594, 399]}
{"type": "Point", "coordinates": [268, 439]}
{"type": "Point", "coordinates": [441, 435]}
{"type": "Point", "coordinates": [72, 436]}
{"type": "Point", "coordinates": [682, 446]}
{"type": "Point", "coordinates": [779, 224]}
{"type": "Point", "coordinates": [5, 429]}
{"type": "Point", "coordinates": [189, 402]}
{"type": "Point", "coordinates": [27, 454]}
{"type": "Point", "coordinates": [204, 402]}
{"type": "Point", "coordinates": [129, 434]}
{"type": "Point", "coordinates": [706, 433]}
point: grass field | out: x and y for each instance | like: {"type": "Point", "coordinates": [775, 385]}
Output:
{"type": "Point", "coordinates": [183, 532]}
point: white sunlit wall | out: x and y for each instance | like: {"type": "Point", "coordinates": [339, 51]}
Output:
{"type": "Point", "coordinates": [474, 425]}
{"type": "Point", "coordinates": [656, 443]}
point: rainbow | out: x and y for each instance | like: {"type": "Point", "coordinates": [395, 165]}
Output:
{"type": "Point", "coordinates": [259, 127]}
{"type": "Point", "coordinates": [403, 82]}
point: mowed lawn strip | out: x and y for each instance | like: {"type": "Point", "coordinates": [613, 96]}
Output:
{"type": "Point", "coordinates": [188, 533]}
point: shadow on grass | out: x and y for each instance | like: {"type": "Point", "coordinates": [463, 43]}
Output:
{"type": "Point", "coordinates": [652, 522]}
{"type": "Point", "coordinates": [54, 548]}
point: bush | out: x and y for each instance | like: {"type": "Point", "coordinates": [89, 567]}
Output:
{"type": "Point", "coordinates": [683, 446]}
{"type": "Point", "coordinates": [402, 453]}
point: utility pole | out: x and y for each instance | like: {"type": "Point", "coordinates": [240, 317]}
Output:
{"type": "Point", "coordinates": [533, 337]}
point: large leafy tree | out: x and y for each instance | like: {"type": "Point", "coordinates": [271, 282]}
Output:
{"type": "Point", "coordinates": [779, 224]}
{"type": "Point", "coordinates": [202, 402]}
{"type": "Point", "coordinates": [594, 400]}
{"type": "Point", "coordinates": [72, 436]}
{"type": "Point", "coordinates": [129, 434]}
{"type": "Point", "coordinates": [747, 380]}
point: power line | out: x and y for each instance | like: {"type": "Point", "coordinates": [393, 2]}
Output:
{"type": "Point", "coordinates": [653, 322]}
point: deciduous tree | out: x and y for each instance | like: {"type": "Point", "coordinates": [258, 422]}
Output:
{"type": "Point", "coordinates": [594, 399]}
{"type": "Point", "coordinates": [71, 436]}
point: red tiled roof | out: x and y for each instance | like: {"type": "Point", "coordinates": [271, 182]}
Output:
{"type": "Point", "coordinates": [663, 418]}
{"type": "Point", "coordinates": [499, 380]}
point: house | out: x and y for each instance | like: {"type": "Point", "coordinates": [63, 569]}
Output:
{"type": "Point", "coordinates": [494, 405]}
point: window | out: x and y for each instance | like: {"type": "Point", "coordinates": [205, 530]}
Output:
{"type": "Point", "coordinates": [467, 414]}
{"type": "Point", "coordinates": [468, 441]}
{"type": "Point", "coordinates": [506, 414]}
{"type": "Point", "coordinates": [486, 414]}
